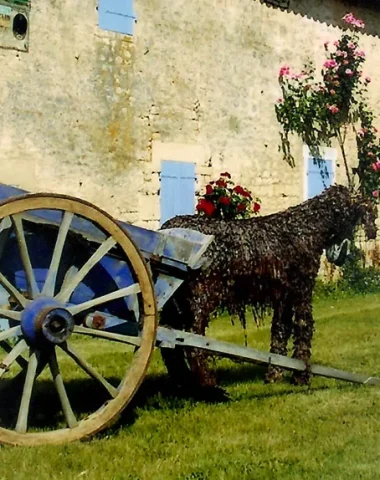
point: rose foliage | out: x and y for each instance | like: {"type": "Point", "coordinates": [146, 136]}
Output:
{"type": "Point", "coordinates": [224, 199]}
{"type": "Point", "coordinates": [319, 110]}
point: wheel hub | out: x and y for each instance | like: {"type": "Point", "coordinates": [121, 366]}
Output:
{"type": "Point", "coordinates": [45, 322]}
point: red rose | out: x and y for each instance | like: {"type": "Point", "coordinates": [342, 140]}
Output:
{"type": "Point", "coordinates": [241, 207]}
{"type": "Point", "coordinates": [209, 190]}
{"type": "Point", "coordinates": [239, 190]}
{"type": "Point", "coordinates": [206, 207]}
{"type": "Point", "coordinates": [256, 207]}
{"type": "Point", "coordinates": [225, 174]}
{"type": "Point", "coordinates": [221, 183]}
{"type": "Point", "coordinates": [225, 200]}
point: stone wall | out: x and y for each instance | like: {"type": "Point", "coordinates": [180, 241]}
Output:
{"type": "Point", "coordinates": [92, 113]}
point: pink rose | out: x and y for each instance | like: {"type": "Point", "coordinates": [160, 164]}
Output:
{"type": "Point", "coordinates": [375, 193]}
{"type": "Point", "coordinates": [370, 154]}
{"type": "Point", "coordinates": [332, 92]}
{"type": "Point", "coordinates": [359, 24]}
{"type": "Point", "coordinates": [336, 43]}
{"type": "Point", "coordinates": [333, 108]}
{"type": "Point", "coordinates": [330, 63]}
{"type": "Point", "coordinates": [284, 71]}
{"type": "Point", "coordinates": [359, 53]}
{"type": "Point", "coordinates": [368, 79]}
{"type": "Point", "coordinates": [280, 100]}
{"type": "Point", "coordinates": [349, 72]}
{"type": "Point", "coordinates": [351, 45]}
{"type": "Point", "coordinates": [350, 19]}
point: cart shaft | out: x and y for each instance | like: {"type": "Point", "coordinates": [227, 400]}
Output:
{"type": "Point", "coordinates": [169, 338]}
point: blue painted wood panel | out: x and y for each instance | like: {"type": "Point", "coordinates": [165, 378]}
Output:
{"type": "Point", "coordinates": [117, 16]}
{"type": "Point", "coordinates": [177, 192]}
{"type": "Point", "coordinates": [319, 177]}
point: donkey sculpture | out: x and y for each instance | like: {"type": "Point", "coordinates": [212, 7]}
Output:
{"type": "Point", "coordinates": [271, 261]}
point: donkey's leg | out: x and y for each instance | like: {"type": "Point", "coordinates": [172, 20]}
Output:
{"type": "Point", "coordinates": [281, 330]}
{"type": "Point", "coordinates": [303, 334]}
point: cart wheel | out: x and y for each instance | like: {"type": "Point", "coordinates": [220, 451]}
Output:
{"type": "Point", "coordinates": [61, 381]}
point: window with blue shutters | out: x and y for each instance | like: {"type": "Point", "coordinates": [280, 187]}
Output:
{"type": "Point", "coordinates": [319, 175]}
{"type": "Point", "coordinates": [117, 16]}
{"type": "Point", "coordinates": [177, 190]}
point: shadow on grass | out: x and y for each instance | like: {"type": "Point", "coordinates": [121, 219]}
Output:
{"type": "Point", "coordinates": [45, 408]}
{"type": "Point", "coordinates": [156, 392]}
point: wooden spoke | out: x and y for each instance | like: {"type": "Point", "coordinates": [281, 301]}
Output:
{"type": "Point", "coordinates": [116, 337]}
{"type": "Point", "coordinates": [42, 362]}
{"type": "Point", "coordinates": [12, 355]}
{"type": "Point", "coordinates": [20, 360]}
{"type": "Point", "coordinates": [22, 420]}
{"type": "Point", "coordinates": [25, 258]}
{"type": "Point", "coordinates": [5, 225]}
{"type": "Point", "coordinates": [49, 285]}
{"type": "Point", "coordinates": [71, 272]}
{"type": "Point", "coordinates": [10, 314]}
{"type": "Point", "coordinates": [123, 292]}
{"type": "Point", "coordinates": [6, 335]}
{"type": "Point", "coordinates": [9, 333]}
{"type": "Point", "coordinates": [104, 248]}
{"type": "Point", "coordinates": [18, 296]}
{"type": "Point", "coordinates": [59, 385]}
{"type": "Point", "coordinates": [81, 362]}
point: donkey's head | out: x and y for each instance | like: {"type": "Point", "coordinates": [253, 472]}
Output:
{"type": "Point", "coordinates": [347, 211]}
{"type": "Point", "coordinates": [367, 214]}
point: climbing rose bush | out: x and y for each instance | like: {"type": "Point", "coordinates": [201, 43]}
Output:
{"type": "Point", "coordinates": [321, 110]}
{"type": "Point", "coordinates": [224, 199]}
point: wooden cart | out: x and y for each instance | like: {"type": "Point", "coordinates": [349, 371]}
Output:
{"type": "Point", "coordinates": [80, 289]}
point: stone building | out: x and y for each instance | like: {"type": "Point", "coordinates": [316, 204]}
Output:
{"type": "Point", "coordinates": [136, 104]}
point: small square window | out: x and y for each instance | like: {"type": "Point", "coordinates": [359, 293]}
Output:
{"type": "Point", "coordinates": [117, 16]}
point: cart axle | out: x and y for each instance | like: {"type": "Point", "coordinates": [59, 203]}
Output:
{"type": "Point", "coordinates": [45, 321]}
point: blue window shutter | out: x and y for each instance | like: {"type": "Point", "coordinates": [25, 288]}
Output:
{"type": "Point", "coordinates": [117, 16]}
{"type": "Point", "coordinates": [319, 177]}
{"type": "Point", "coordinates": [177, 191]}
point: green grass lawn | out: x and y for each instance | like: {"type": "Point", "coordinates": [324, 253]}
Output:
{"type": "Point", "coordinates": [331, 430]}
